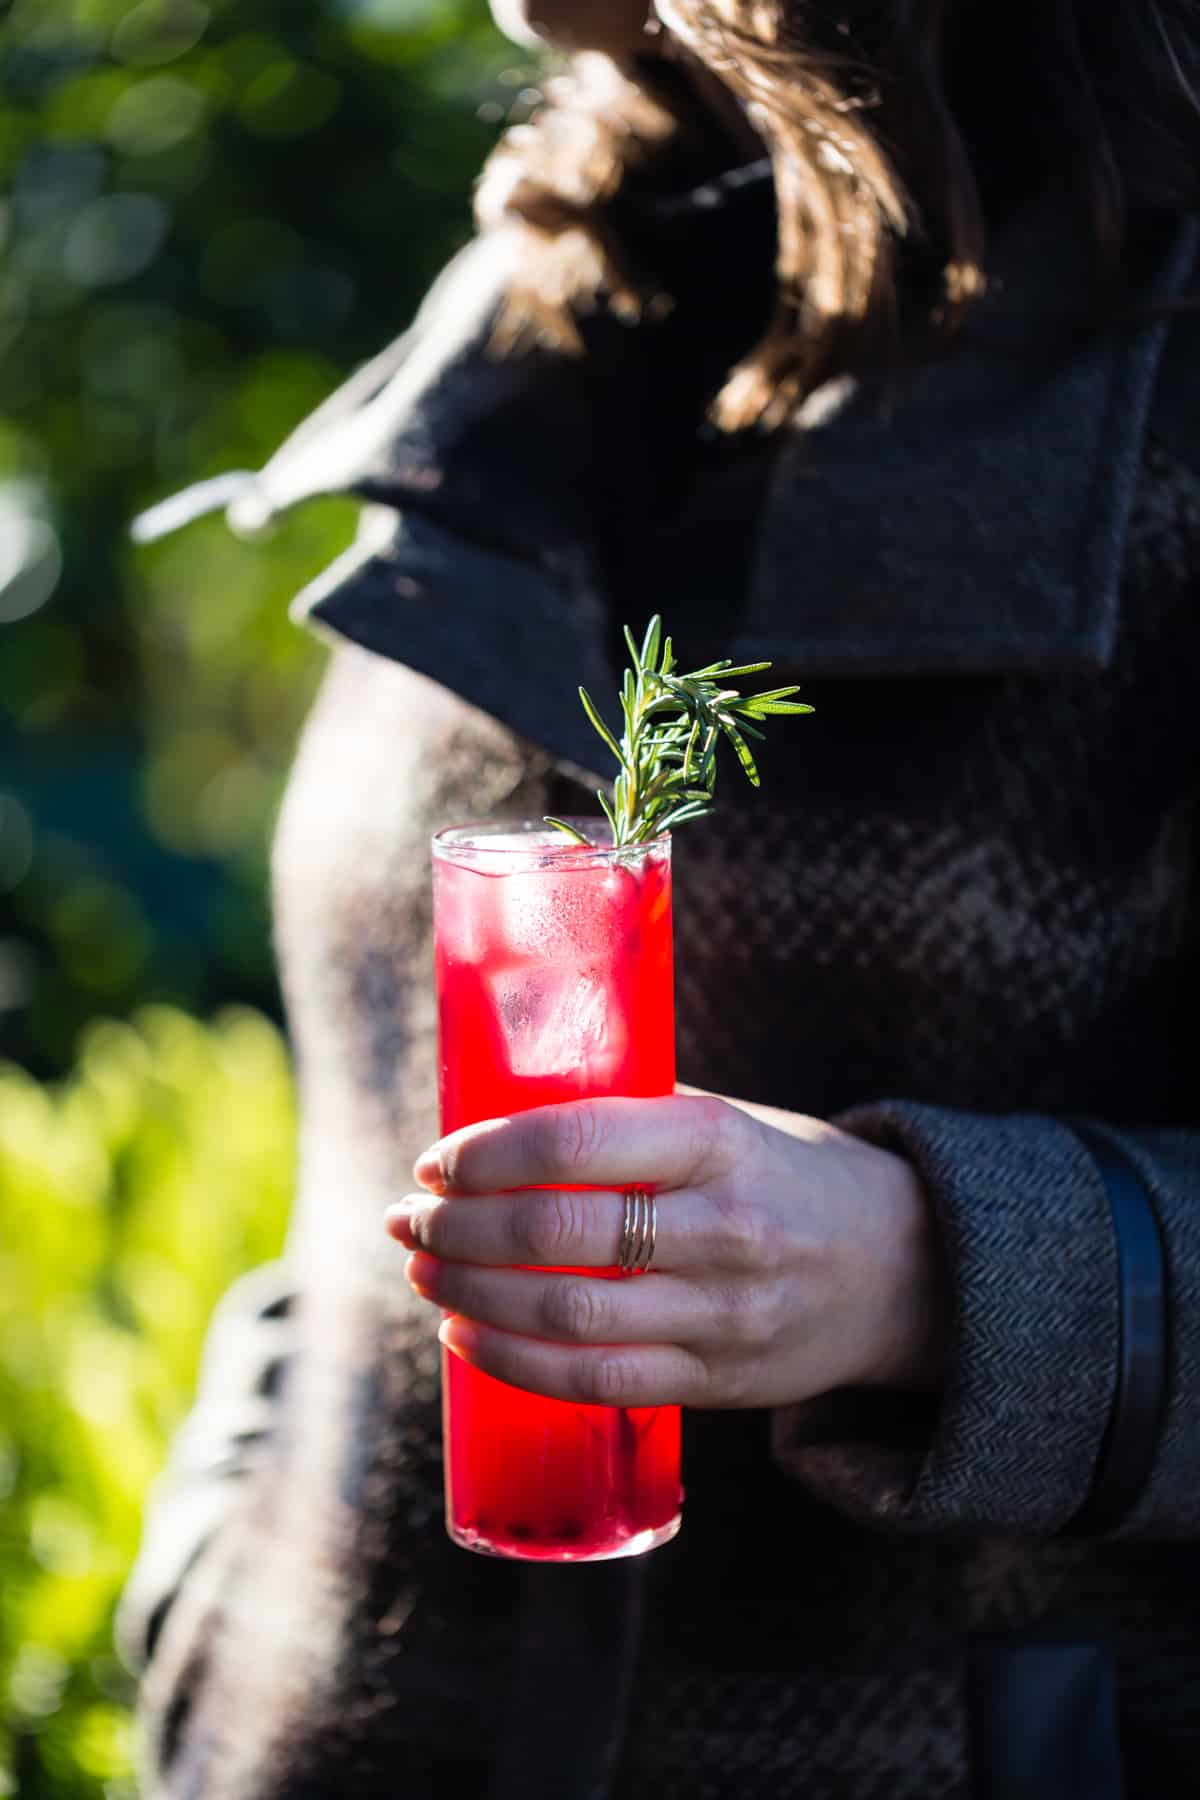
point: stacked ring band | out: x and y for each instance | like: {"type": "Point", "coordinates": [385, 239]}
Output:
{"type": "Point", "coordinates": [639, 1229]}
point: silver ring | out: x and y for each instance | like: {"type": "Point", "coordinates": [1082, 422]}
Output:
{"type": "Point", "coordinates": [639, 1229]}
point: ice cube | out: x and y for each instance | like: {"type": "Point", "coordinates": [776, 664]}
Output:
{"type": "Point", "coordinates": [559, 1023]}
{"type": "Point", "coordinates": [564, 916]}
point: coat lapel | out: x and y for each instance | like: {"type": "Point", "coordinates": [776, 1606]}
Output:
{"type": "Point", "coordinates": [967, 515]}
{"type": "Point", "coordinates": [974, 517]}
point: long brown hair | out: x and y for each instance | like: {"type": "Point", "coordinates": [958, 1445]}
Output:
{"type": "Point", "coordinates": [889, 123]}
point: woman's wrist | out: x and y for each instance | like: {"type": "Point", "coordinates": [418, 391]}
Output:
{"type": "Point", "coordinates": [907, 1348]}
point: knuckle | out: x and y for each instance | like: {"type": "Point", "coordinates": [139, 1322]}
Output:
{"type": "Point", "coordinates": [743, 1321]}
{"type": "Point", "coordinates": [573, 1133]}
{"type": "Point", "coordinates": [715, 1124]}
{"type": "Point", "coordinates": [548, 1226]}
{"type": "Point", "coordinates": [573, 1309]}
{"type": "Point", "coordinates": [608, 1379]}
{"type": "Point", "coordinates": [747, 1239]}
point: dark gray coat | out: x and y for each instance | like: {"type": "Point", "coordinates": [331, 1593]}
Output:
{"type": "Point", "coordinates": [962, 914]}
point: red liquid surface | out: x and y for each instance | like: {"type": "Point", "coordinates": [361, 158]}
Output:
{"type": "Point", "coordinates": [554, 983]}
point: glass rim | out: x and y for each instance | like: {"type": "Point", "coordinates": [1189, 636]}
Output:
{"type": "Point", "coordinates": [467, 843]}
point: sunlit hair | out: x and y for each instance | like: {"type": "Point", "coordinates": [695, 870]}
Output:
{"type": "Point", "coordinates": [894, 127]}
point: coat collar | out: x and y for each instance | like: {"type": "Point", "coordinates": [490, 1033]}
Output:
{"type": "Point", "coordinates": [974, 517]}
{"type": "Point", "coordinates": [969, 516]}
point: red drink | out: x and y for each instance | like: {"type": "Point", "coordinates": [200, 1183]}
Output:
{"type": "Point", "coordinates": [554, 982]}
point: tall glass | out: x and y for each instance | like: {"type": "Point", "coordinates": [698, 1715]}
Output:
{"type": "Point", "coordinates": [554, 982]}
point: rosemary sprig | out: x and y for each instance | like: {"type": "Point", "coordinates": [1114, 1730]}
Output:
{"type": "Point", "coordinates": [667, 752]}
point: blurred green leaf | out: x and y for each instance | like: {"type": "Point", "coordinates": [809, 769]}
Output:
{"type": "Point", "coordinates": [209, 214]}
{"type": "Point", "coordinates": [131, 1194]}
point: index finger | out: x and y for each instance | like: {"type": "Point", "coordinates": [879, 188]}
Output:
{"type": "Point", "coordinates": [677, 1141]}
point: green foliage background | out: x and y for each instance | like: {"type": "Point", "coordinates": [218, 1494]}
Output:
{"type": "Point", "coordinates": [131, 1196]}
{"type": "Point", "coordinates": [208, 213]}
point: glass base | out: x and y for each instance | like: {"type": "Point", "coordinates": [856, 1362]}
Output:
{"type": "Point", "coordinates": [637, 1545]}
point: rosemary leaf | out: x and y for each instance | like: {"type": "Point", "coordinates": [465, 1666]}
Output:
{"type": "Point", "coordinates": [672, 723]}
{"type": "Point", "coordinates": [562, 825]}
{"type": "Point", "coordinates": [599, 725]}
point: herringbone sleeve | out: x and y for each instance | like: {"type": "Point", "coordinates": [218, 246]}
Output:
{"type": "Point", "coordinates": [1030, 1263]}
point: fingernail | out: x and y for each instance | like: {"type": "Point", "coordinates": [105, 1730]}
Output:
{"type": "Point", "coordinates": [428, 1171]}
{"type": "Point", "coordinates": [396, 1223]}
{"type": "Point", "coordinates": [459, 1337]}
{"type": "Point", "coordinates": [413, 1270]}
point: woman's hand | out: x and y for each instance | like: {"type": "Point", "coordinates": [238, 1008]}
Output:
{"type": "Point", "coordinates": [790, 1259]}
